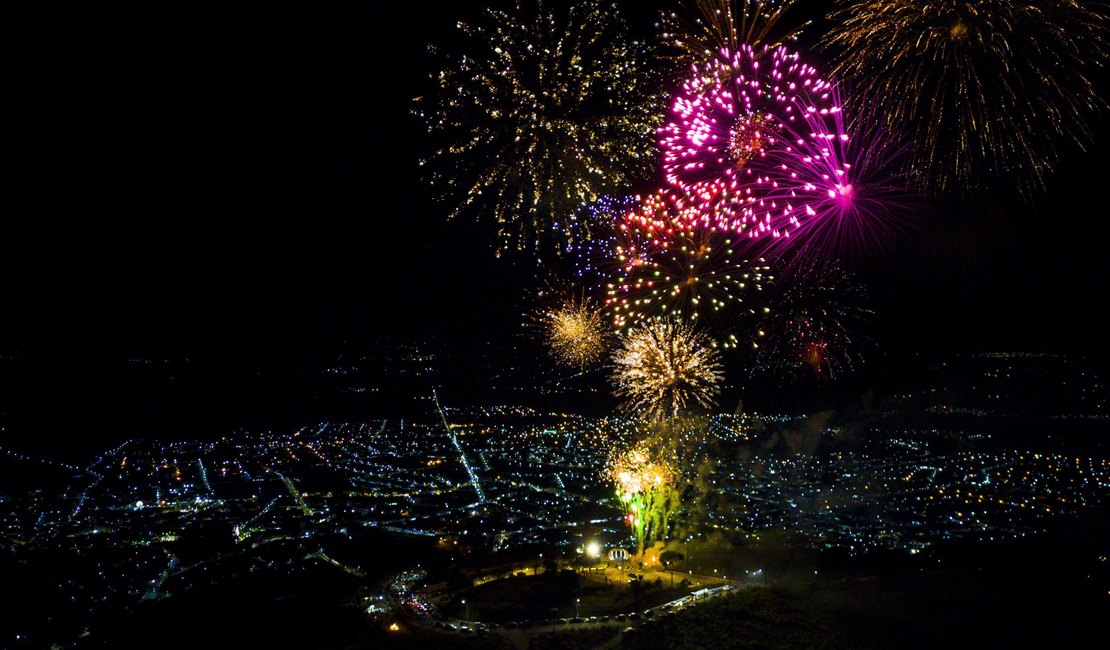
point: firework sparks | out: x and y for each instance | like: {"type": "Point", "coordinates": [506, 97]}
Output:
{"type": "Point", "coordinates": [635, 473]}
{"type": "Point", "coordinates": [864, 216]}
{"type": "Point", "coordinates": [706, 27]}
{"type": "Point", "coordinates": [759, 136]}
{"type": "Point", "coordinates": [551, 108]}
{"type": "Point", "coordinates": [644, 480]}
{"type": "Point", "coordinates": [990, 87]}
{"type": "Point", "coordinates": [575, 332]}
{"type": "Point", "coordinates": [664, 365]}
{"type": "Point", "coordinates": [671, 261]}
{"type": "Point", "coordinates": [593, 255]}
{"type": "Point", "coordinates": [811, 324]}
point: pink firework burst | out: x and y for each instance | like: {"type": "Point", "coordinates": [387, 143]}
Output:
{"type": "Point", "coordinates": [866, 205]}
{"type": "Point", "coordinates": [757, 137]}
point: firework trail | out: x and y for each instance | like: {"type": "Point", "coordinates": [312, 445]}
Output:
{"type": "Point", "coordinates": [701, 28]}
{"type": "Point", "coordinates": [990, 89]}
{"type": "Point", "coordinates": [644, 480]}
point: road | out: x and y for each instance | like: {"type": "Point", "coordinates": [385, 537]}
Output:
{"type": "Point", "coordinates": [521, 637]}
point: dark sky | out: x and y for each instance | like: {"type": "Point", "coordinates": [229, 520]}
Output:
{"type": "Point", "coordinates": [215, 177]}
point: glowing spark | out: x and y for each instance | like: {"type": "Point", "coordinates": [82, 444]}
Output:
{"type": "Point", "coordinates": [671, 260]}
{"type": "Point", "coordinates": [992, 88]}
{"type": "Point", "coordinates": [644, 481]}
{"type": "Point", "coordinates": [811, 323]}
{"type": "Point", "coordinates": [551, 108]}
{"type": "Point", "coordinates": [664, 365]}
{"type": "Point", "coordinates": [757, 138]}
{"type": "Point", "coordinates": [705, 27]}
{"type": "Point", "coordinates": [575, 332]}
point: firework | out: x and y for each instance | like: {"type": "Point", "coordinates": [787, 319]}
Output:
{"type": "Point", "coordinates": [575, 331]}
{"type": "Point", "coordinates": [592, 255]}
{"type": "Point", "coordinates": [551, 108]}
{"type": "Point", "coordinates": [810, 325]}
{"type": "Point", "coordinates": [757, 135]}
{"type": "Point", "coordinates": [695, 35]}
{"type": "Point", "coordinates": [866, 215]}
{"type": "Point", "coordinates": [990, 88]}
{"type": "Point", "coordinates": [664, 365]}
{"type": "Point", "coordinates": [671, 260]}
{"type": "Point", "coordinates": [645, 479]}
{"type": "Point", "coordinates": [635, 473]}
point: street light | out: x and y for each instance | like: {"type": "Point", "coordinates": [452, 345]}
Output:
{"type": "Point", "coordinates": [593, 552]}
{"type": "Point", "coordinates": [576, 602]}
{"type": "Point", "coordinates": [467, 610]}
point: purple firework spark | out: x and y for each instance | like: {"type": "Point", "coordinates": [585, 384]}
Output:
{"type": "Point", "coordinates": [592, 254]}
{"type": "Point", "coordinates": [869, 212]}
{"type": "Point", "coordinates": [757, 135]}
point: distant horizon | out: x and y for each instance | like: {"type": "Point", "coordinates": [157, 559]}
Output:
{"type": "Point", "coordinates": [89, 404]}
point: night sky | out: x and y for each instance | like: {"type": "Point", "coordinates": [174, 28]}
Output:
{"type": "Point", "coordinates": [221, 178]}
{"type": "Point", "coordinates": [217, 245]}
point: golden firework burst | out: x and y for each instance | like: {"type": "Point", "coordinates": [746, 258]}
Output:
{"type": "Point", "coordinates": [663, 366]}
